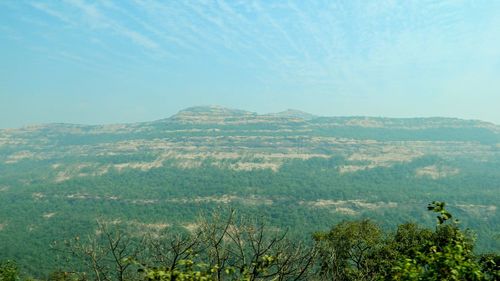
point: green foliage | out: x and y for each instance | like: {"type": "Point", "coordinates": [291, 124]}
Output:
{"type": "Point", "coordinates": [490, 266]}
{"type": "Point", "coordinates": [438, 207]}
{"type": "Point", "coordinates": [447, 255]}
{"type": "Point", "coordinates": [453, 261]}
{"type": "Point", "coordinates": [187, 270]}
{"type": "Point", "coordinates": [63, 276]}
{"type": "Point", "coordinates": [231, 247]}
{"type": "Point", "coordinates": [346, 251]}
{"type": "Point", "coordinates": [55, 180]}
{"type": "Point", "coordinates": [356, 250]}
{"type": "Point", "coordinates": [8, 271]}
{"type": "Point", "coordinates": [175, 196]}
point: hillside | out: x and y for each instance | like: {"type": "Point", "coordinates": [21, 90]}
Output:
{"type": "Point", "coordinates": [297, 170]}
{"type": "Point", "coordinates": [248, 140]}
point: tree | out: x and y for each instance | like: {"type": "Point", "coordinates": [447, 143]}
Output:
{"type": "Point", "coordinates": [346, 252]}
{"type": "Point", "coordinates": [108, 255]}
{"type": "Point", "coordinates": [223, 247]}
{"type": "Point", "coordinates": [490, 266]}
{"type": "Point", "coordinates": [447, 255]}
{"type": "Point", "coordinates": [8, 271]}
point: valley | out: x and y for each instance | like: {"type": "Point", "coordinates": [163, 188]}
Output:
{"type": "Point", "coordinates": [296, 170]}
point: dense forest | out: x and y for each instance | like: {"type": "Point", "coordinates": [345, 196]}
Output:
{"type": "Point", "coordinates": [298, 173]}
{"type": "Point", "coordinates": [229, 246]}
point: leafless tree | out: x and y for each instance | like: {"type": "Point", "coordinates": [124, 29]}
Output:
{"type": "Point", "coordinates": [108, 255]}
{"type": "Point", "coordinates": [233, 248]}
{"type": "Point", "coordinates": [254, 249]}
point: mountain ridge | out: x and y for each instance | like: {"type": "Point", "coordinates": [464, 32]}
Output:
{"type": "Point", "coordinates": [216, 113]}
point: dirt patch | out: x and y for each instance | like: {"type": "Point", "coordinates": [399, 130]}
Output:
{"type": "Point", "coordinates": [80, 196]}
{"type": "Point", "coordinates": [478, 210]}
{"type": "Point", "coordinates": [62, 176]}
{"type": "Point", "coordinates": [188, 164]}
{"type": "Point", "coordinates": [151, 226]}
{"type": "Point", "coordinates": [386, 155]}
{"type": "Point", "coordinates": [368, 123]}
{"type": "Point", "coordinates": [11, 141]}
{"type": "Point", "coordinates": [144, 201]}
{"type": "Point", "coordinates": [354, 168]}
{"type": "Point", "coordinates": [249, 166]}
{"type": "Point", "coordinates": [349, 204]}
{"type": "Point", "coordinates": [18, 156]}
{"type": "Point", "coordinates": [38, 195]}
{"type": "Point", "coordinates": [346, 211]}
{"type": "Point", "coordinates": [143, 166]}
{"type": "Point", "coordinates": [436, 172]}
{"type": "Point", "coordinates": [191, 227]}
{"type": "Point", "coordinates": [254, 201]}
{"type": "Point", "coordinates": [148, 229]}
{"type": "Point", "coordinates": [224, 199]}
{"type": "Point", "coordinates": [48, 215]}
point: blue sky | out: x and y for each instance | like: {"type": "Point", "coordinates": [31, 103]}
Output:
{"type": "Point", "coordinates": [97, 62]}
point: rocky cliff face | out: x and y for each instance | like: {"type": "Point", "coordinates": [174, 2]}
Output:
{"type": "Point", "coordinates": [243, 140]}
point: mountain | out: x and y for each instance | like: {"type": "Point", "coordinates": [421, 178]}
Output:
{"type": "Point", "coordinates": [299, 171]}
{"type": "Point", "coordinates": [210, 114]}
{"type": "Point", "coordinates": [243, 140]}
{"type": "Point", "coordinates": [293, 113]}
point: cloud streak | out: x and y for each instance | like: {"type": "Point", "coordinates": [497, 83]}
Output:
{"type": "Point", "coordinates": [96, 19]}
{"type": "Point", "coordinates": [364, 49]}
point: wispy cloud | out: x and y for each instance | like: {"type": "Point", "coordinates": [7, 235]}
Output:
{"type": "Point", "coordinates": [328, 43]}
{"type": "Point", "coordinates": [96, 19]}
{"type": "Point", "coordinates": [52, 12]}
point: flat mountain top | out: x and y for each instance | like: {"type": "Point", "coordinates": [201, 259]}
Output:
{"type": "Point", "coordinates": [213, 110]}
{"type": "Point", "coordinates": [222, 116]}
{"type": "Point", "coordinates": [294, 113]}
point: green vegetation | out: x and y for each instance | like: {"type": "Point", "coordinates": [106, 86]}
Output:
{"type": "Point", "coordinates": [8, 271]}
{"type": "Point", "coordinates": [232, 247]}
{"type": "Point", "coordinates": [300, 174]}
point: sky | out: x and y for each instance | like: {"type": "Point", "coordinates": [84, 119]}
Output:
{"type": "Point", "coordinates": [100, 62]}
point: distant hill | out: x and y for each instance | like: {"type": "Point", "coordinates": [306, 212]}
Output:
{"type": "Point", "coordinates": [218, 133]}
{"type": "Point", "coordinates": [293, 113]}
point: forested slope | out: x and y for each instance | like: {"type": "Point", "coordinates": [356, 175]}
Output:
{"type": "Point", "coordinates": [298, 171]}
